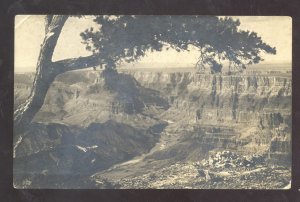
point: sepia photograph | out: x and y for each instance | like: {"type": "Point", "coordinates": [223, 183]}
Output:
{"type": "Point", "coordinates": [152, 102]}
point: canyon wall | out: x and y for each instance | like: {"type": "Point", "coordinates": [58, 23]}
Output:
{"type": "Point", "coordinates": [212, 99]}
{"type": "Point", "coordinates": [255, 107]}
{"type": "Point", "coordinates": [222, 99]}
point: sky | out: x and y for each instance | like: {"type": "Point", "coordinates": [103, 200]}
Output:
{"type": "Point", "coordinates": [29, 34]}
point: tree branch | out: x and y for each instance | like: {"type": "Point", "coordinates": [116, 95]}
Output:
{"type": "Point", "coordinates": [77, 63]}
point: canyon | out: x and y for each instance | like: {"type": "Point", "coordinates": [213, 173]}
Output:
{"type": "Point", "coordinates": [108, 128]}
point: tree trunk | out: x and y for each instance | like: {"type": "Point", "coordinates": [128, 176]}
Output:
{"type": "Point", "coordinates": [45, 74]}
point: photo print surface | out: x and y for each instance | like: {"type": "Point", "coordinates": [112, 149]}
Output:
{"type": "Point", "coordinates": [152, 102]}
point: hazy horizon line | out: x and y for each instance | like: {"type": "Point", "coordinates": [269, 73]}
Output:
{"type": "Point", "coordinates": [184, 65]}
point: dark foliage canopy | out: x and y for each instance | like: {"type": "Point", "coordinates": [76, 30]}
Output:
{"type": "Point", "coordinates": [219, 40]}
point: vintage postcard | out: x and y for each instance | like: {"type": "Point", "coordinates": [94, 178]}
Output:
{"type": "Point", "coordinates": [152, 102]}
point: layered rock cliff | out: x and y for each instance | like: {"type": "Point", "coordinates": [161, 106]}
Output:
{"type": "Point", "coordinates": [250, 102]}
{"type": "Point", "coordinates": [248, 112]}
{"type": "Point", "coordinates": [244, 98]}
{"type": "Point", "coordinates": [211, 98]}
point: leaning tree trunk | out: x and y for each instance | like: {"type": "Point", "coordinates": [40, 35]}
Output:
{"type": "Point", "coordinates": [45, 74]}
